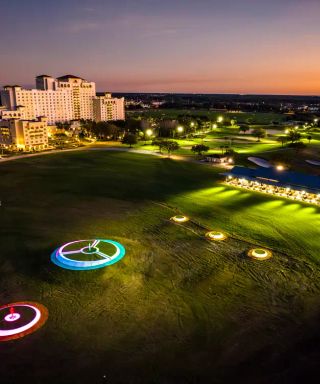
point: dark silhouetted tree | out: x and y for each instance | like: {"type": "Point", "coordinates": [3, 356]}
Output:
{"type": "Point", "coordinates": [199, 148]}
{"type": "Point", "coordinates": [129, 139]}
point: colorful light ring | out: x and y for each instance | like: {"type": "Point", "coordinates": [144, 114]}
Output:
{"type": "Point", "coordinates": [39, 318]}
{"type": "Point", "coordinates": [216, 235]}
{"type": "Point", "coordinates": [260, 254]}
{"type": "Point", "coordinates": [60, 255]}
{"type": "Point", "coordinates": [180, 218]}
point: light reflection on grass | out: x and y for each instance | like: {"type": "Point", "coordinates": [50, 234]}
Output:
{"type": "Point", "coordinates": [275, 222]}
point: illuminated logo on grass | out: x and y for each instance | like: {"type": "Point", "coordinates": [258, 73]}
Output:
{"type": "Point", "coordinates": [20, 319]}
{"type": "Point", "coordinates": [84, 255]}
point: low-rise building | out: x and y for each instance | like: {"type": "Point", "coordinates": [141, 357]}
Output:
{"type": "Point", "coordinates": [26, 135]}
{"type": "Point", "coordinates": [220, 159]}
{"type": "Point", "coordinates": [282, 183]}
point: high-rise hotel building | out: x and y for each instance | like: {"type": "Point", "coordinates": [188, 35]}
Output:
{"type": "Point", "coordinates": [63, 99]}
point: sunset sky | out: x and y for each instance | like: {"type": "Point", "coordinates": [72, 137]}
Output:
{"type": "Point", "coordinates": [201, 46]}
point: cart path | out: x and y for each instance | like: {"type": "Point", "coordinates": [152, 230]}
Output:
{"type": "Point", "coordinates": [114, 149]}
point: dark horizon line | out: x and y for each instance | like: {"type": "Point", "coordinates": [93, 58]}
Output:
{"type": "Point", "coordinates": [213, 94]}
{"type": "Point", "coordinates": [29, 86]}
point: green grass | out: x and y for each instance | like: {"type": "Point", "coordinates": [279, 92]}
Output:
{"type": "Point", "coordinates": [177, 308]}
{"type": "Point", "coordinates": [255, 118]}
{"type": "Point", "coordinates": [241, 144]}
{"type": "Point", "coordinates": [272, 222]}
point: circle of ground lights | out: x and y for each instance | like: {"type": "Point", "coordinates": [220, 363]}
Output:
{"type": "Point", "coordinates": [216, 236]}
{"type": "Point", "coordinates": [180, 219]}
{"type": "Point", "coordinates": [82, 255]}
{"type": "Point", "coordinates": [16, 322]}
{"type": "Point", "coordinates": [259, 254]}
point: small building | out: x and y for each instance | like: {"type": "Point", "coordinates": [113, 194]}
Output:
{"type": "Point", "coordinates": [28, 135]}
{"type": "Point", "coordinates": [288, 184]}
{"type": "Point", "coordinates": [216, 158]}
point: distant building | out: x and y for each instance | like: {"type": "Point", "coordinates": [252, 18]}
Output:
{"type": "Point", "coordinates": [157, 104]}
{"type": "Point", "coordinates": [27, 135]}
{"type": "Point", "coordinates": [106, 108]}
{"type": "Point", "coordinates": [63, 99]}
{"type": "Point", "coordinates": [216, 158]}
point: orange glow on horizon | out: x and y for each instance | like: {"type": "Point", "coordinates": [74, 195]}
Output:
{"type": "Point", "coordinates": [249, 83]}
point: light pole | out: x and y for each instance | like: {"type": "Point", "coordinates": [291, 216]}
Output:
{"type": "Point", "coordinates": [220, 119]}
{"type": "Point", "coordinates": [149, 133]}
{"type": "Point", "coordinates": [180, 129]}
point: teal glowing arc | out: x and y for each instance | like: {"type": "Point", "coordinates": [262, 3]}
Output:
{"type": "Point", "coordinates": [82, 255]}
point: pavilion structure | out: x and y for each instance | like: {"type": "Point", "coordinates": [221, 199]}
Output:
{"type": "Point", "coordinates": [282, 183]}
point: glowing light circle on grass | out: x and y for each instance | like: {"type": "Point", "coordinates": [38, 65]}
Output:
{"type": "Point", "coordinates": [260, 254]}
{"type": "Point", "coordinates": [216, 235]}
{"type": "Point", "coordinates": [180, 218]}
{"type": "Point", "coordinates": [82, 255]}
{"type": "Point", "coordinates": [26, 319]}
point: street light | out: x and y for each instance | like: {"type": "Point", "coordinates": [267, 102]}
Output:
{"type": "Point", "coordinates": [178, 129]}
{"type": "Point", "coordinates": [220, 119]}
{"type": "Point", "coordinates": [149, 133]}
{"type": "Point", "coordinates": [214, 126]}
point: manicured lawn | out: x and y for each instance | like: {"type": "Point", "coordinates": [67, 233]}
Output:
{"type": "Point", "coordinates": [272, 222]}
{"type": "Point", "coordinates": [241, 144]}
{"type": "Point", "coordinates": [252, 118]}
{"type": "Point", "coordinates": [177, 308]}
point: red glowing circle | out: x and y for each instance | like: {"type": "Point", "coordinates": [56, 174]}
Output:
{"type": "Point", "coordinates": [13, 323]}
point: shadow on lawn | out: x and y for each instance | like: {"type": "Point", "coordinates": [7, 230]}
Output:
{"type": "Point", "coordinates": [106, 174]}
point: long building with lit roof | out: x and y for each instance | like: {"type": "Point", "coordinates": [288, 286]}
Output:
{"type": "Point", "coordinates": [288, 184]}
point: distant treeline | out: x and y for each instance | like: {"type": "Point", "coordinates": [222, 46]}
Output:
{"type": "Point", "coordinates": [245, 103]}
